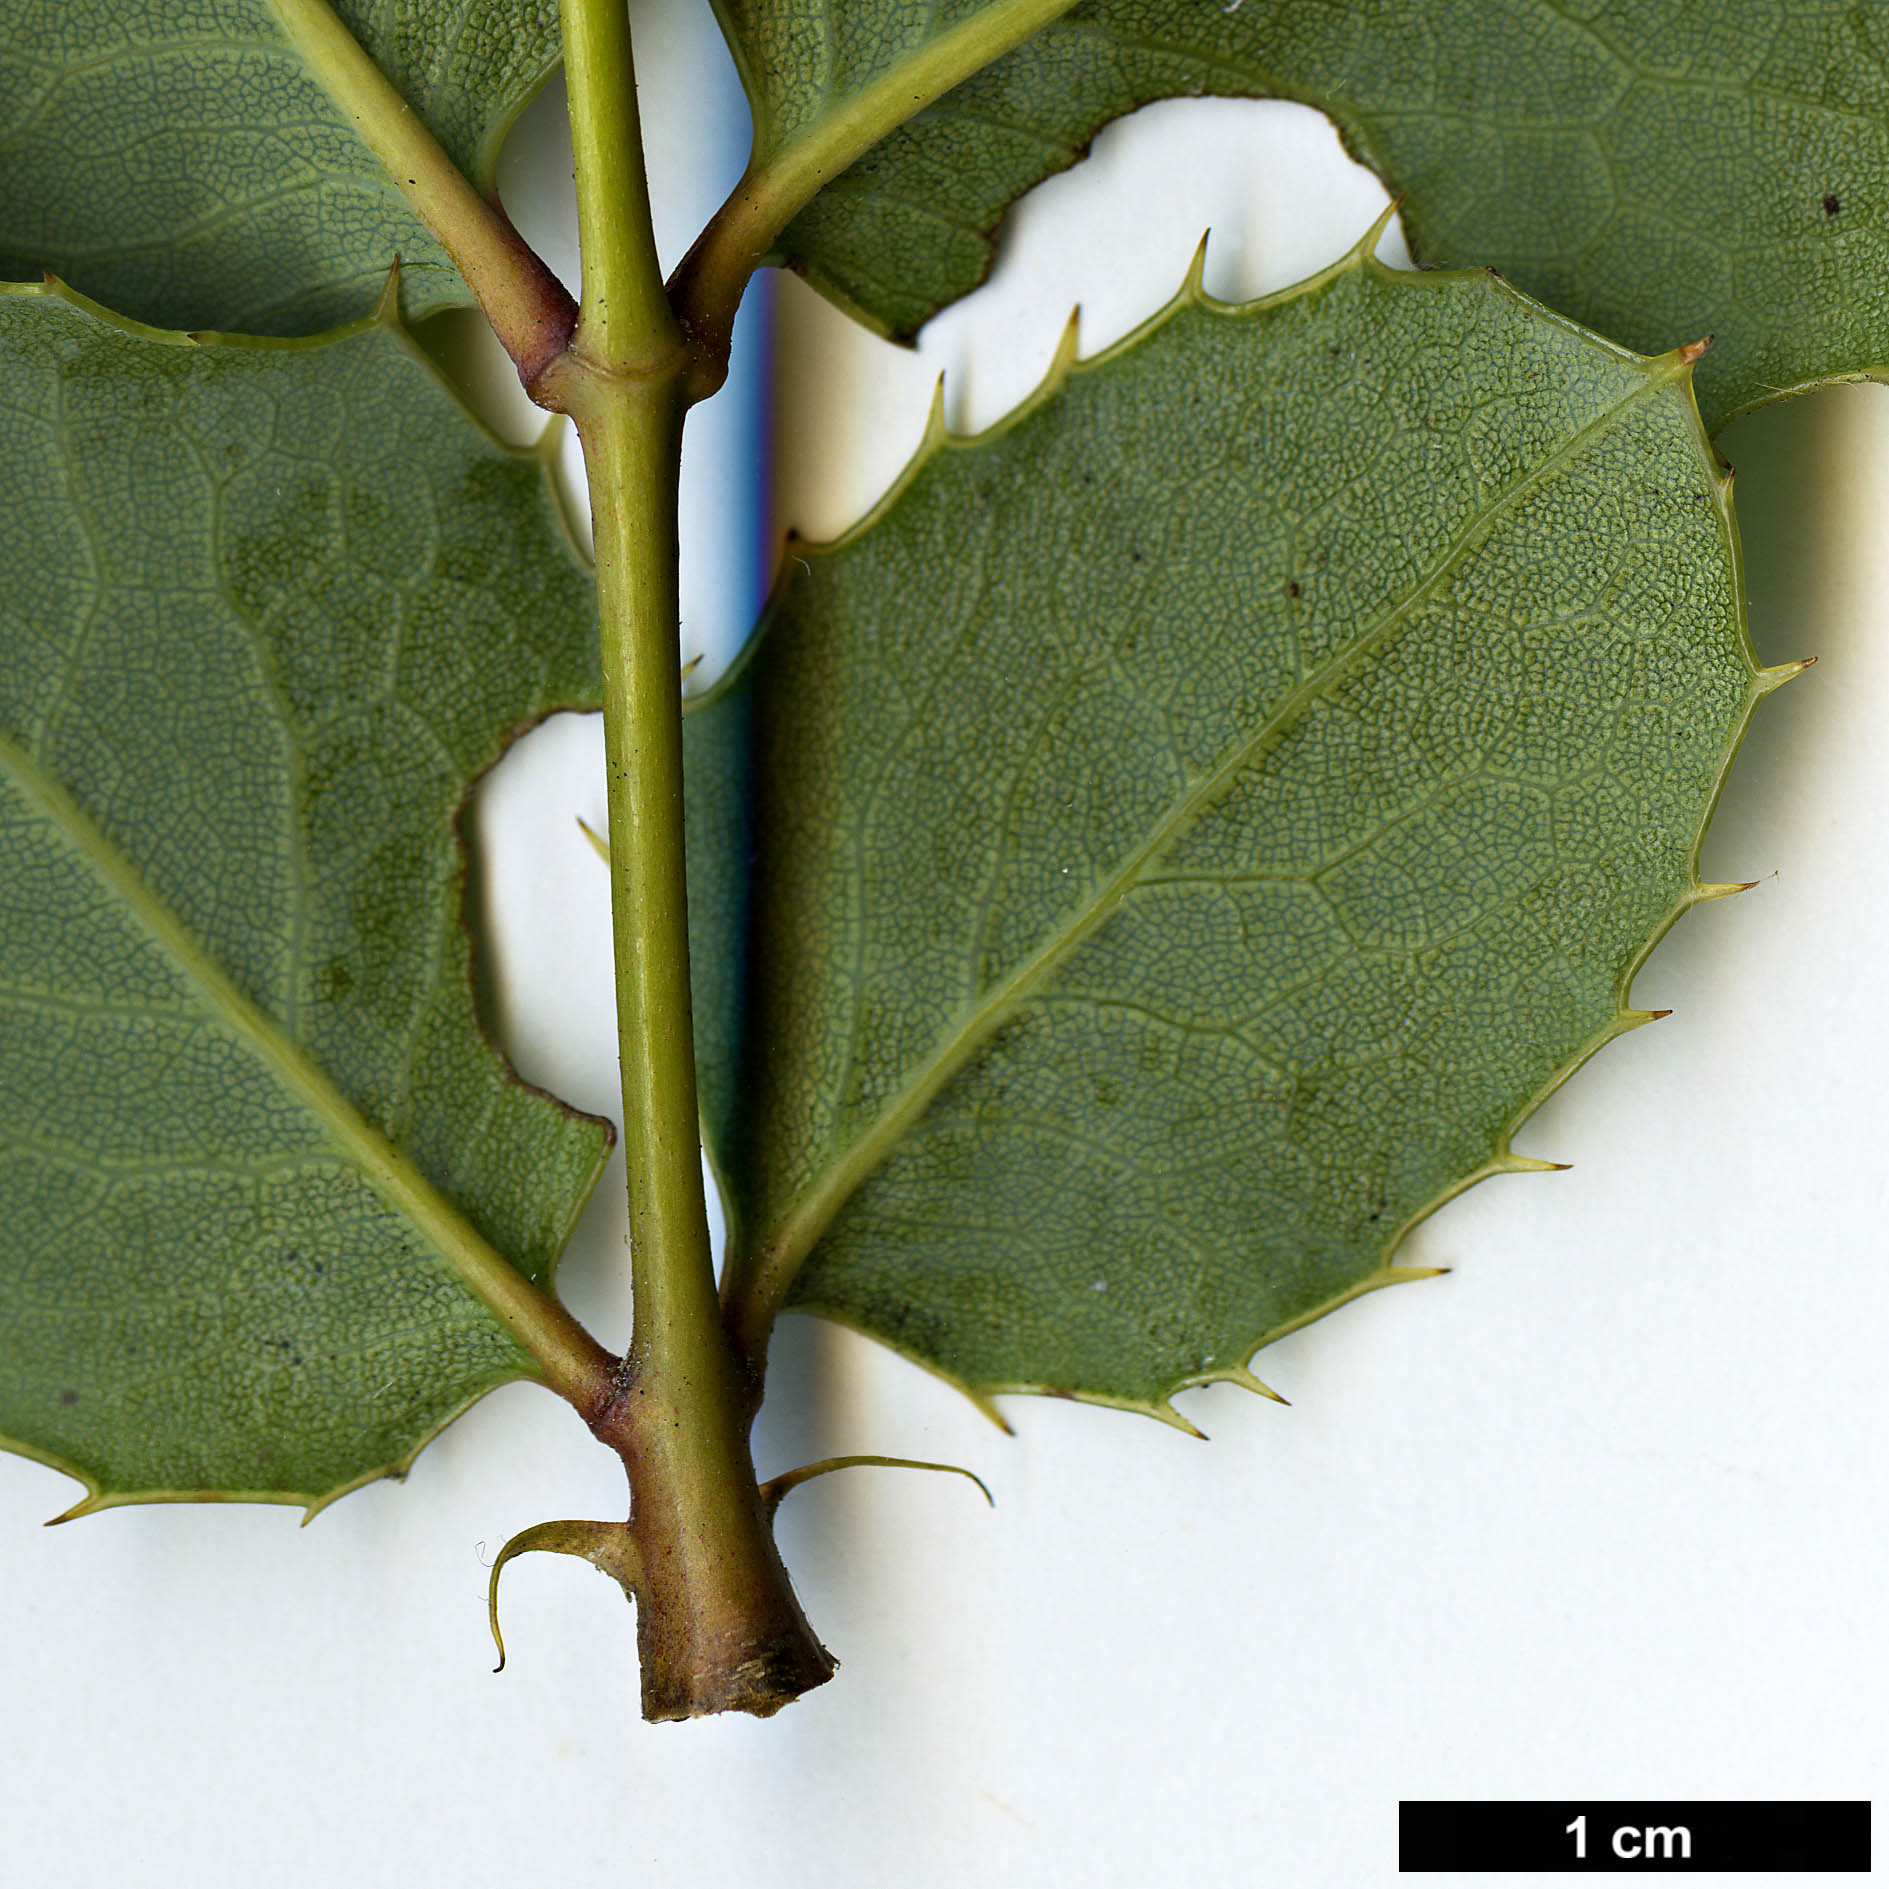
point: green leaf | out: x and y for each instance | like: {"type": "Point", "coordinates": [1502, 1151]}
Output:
{"type": "Point", "coordinates": [1193, 823]}
{"type": "Point", "coordinates": [268, 612]}
{"type": "Point", "coordinates": [800, 65]}
{"type": "Point", "coordinates": [717, 736]}
{"type": "Point", "coordinates": [177, 160]}
{"type": "Point", "coordinates": [1660, 170]}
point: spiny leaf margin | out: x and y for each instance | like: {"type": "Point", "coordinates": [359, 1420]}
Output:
{"type": "Point", "coordinates": [1668, 169]}
{"type": "Point", "coordinates": [718, 858]}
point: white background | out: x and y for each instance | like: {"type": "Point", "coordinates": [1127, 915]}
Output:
{"type": "Point", "coordinates": [1599, 1514]}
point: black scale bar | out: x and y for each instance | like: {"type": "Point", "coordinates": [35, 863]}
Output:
{"type": "Point", "coordinates": [1650, 1838]}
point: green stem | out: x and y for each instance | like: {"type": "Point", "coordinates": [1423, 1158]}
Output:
{"type": "Point", "coordinates": [708, 286]}
{"type": "Point", "coordinates": [631, 432]}
{"type": "Point", "coordinates": [625, 325]}
{"type": "Point", "coordinates": [529, 308]}
{"type": "Point", "coordinates": [717, 1620]}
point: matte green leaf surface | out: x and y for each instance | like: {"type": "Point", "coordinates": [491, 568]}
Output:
{"type": "Point", "coordinates": [800, 63]}
{"type": "Point", "coordinates": [176, 160]}
{"type": "Point", "coordinates": [1657, 169]}
{"type": "Point", "coordinates": [267, 612]}
{"type": "Point", "coordinates": [1192, 824]}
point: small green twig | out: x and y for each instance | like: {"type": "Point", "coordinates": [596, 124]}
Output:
{"type": "Point", "coordinates": [706, 290]}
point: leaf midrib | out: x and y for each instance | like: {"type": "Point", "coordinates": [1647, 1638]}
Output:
{"type": "Point", "coordinates": [775, 1260]}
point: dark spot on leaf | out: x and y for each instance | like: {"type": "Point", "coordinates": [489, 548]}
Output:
{"type": "Point", "coordinates": [1831, 206]}
{"type": "Point", "coordinates": [68, 1397]}
{"type": "Point", "coordinates": [1292, 588]}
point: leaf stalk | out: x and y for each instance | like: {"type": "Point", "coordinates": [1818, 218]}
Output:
{"type": "Point", "coordinates": [706, 289]}
{"type": "Point", "coordinates": [530, 310]}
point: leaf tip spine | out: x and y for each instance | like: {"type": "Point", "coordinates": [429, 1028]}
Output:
{"type": "Point", "coordinates": [1409, 1275]}
{"type": "Point", "coordinates": [1703, 894]}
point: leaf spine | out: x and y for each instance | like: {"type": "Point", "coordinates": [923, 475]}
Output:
{"type": "Point", "coordinates": [607, 1546]}
{"type": "Point", "coordinates": [1775, 678]}
{"type": "Point", "coordinates": [1166, 1413]}
{"type": "Point", "coordinates": [1244, 1379]}
{"type": "Point", "coordinates": [1636, 1020]}
{"type": "Point", "coordinates": [1704, 894]}
{"type": "Point", "coordinates": [1409, 1275]}
{"type": "Point", "coordinates": [777, 1488]}
{"type": "Point", "coordinates": [1192, 284]}
{"type": "Point", "coordinates": [1365, 248]}
{"type": "Point", "coordinates": [1513, 1163]}
{"type": "Point", "coordinates": [387, 303]}
{"type": "Point", "coordinates": [936, 432]}
{"type": "Point", "coordinates": [1065, 356]}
